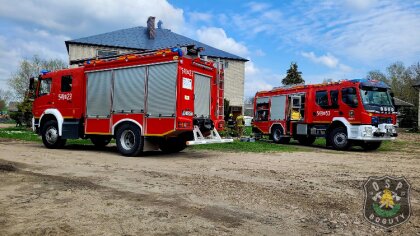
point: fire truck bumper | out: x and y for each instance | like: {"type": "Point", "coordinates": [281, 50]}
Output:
{"type": "Point", "coordinates": [214, 137]}
{"type": "Point", "coordinates": [373, 133]}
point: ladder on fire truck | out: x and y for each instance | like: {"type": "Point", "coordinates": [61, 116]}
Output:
{"type": "Point", "coordinates": [189, 50]}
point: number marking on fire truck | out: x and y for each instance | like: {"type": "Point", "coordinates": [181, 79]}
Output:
{"type": "Point", "coordinates": [65, 96]}
{"type": "Point", "coordinates": [323, 113]}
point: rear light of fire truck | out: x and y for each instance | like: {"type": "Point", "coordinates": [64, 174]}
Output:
{"type": "Point", "coordinates": [184, 124]}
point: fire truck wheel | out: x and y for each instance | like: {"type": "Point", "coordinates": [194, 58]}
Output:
{"type": "Point", "coordinates": [50, 136]}
{"type": "Point", "coordinates": [276, 134]}
{"type": "Point", "coordinates": [129, 140]}
{"type": "Point", "coordinates": [100, 141]}
{"type": "Point", "coordinates": [370, 146]}
{"type": "Point", "coordinates": [173, 145]}
{"type": "Point", "coordinates": [338, 139]}
{"type": "Point", "coordinates": [307, 141]}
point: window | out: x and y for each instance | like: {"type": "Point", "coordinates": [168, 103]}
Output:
{"type": "Point", "coordinates": [334, 98]}
{"type": "Point", "coordinates": [44, 87]}
{"type": "Point", "coordinates": [106, 53]}
{"type": "Point", "coordinates": [375, 96]}
{"type": "Point", "coordinates": [322, 98]}
{"type": "Point", "coordinates": [226, 64]}
{"type": "Point", "coordinates": [349, 96]}
{"type": "Point", "coordinates": [66, 83]}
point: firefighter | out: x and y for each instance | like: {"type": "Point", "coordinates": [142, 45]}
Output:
{"type": "Point", "coordinates": [240, 122]}
{"type": "Point", "coordinates": [296, 114]}
{"type": "Point", "coordinates": [230, 124]}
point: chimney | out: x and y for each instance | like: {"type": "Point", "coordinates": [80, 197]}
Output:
{"type": "Point", "coordinates": [160, 23]}
{"type": "Point", "coordinates": [151, 27]}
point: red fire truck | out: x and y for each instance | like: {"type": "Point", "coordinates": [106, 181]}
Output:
{"type": "Point", "coordinates": [164, 99]}
{"type": "Point", "coordinates": [353, 112]}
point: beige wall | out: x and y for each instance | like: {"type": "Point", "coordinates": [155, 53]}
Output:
{"type": "Point", "coordinates": [234, 73]}
{"type": "Point", "coordinates": [234, 82]}
{"type": "Point", "coordinates": [77, 51]}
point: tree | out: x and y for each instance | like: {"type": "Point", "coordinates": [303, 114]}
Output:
{"type": "Point", "coordinates": [19, 81]}
{"type": "Point", "coordinates": [377, 75]}
{"type": "Point", "coordinates": [401, 81]}
{"type": "Point", "coordinates": [2, 105]}
{"type": "Point", "coordinates": [293, 75]}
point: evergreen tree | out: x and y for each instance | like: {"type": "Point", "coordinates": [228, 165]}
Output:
{"type": "Point", "coordinates": [293, 75]}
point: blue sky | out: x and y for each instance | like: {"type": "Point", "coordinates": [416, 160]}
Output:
{"type": "Point", "coordinates": [328, 39]}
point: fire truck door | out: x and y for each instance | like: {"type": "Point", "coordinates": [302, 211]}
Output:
{"type": "Point", "coordinates": [65, 99]}
{"type": "Point", "coordinates": [98, 102]}
{"type": "Point", "coordinates": [202, 95]}
{"type": "Point", "coordinates": [45, 97]}
{"type": "Point", "coordinates": [161, 99]}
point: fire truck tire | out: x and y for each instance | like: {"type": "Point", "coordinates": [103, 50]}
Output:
{"type": "Point", "coordinates": [100, 141]}
{"type": "Point", "coordinates": [173, 145]}
{"type": "Point", "coordinates": [338, 139]}
{"type": "Point", "coordinates": [50, 136]}
{"type": "Point", "coordinates": [129, 140]}
{"type": "Point", "coordinates": [307, 141]}
{"type": "Point", "coordinates": [276, 134]}
{"type": "Point", "coordinates": [371, 146]}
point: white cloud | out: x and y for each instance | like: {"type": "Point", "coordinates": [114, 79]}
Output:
{"type": "Point", "coordinates": [259, 53]}
{"type": "Point", "coordinates": [41, 28]}
{"type": "Point", "coordinates": [360, 4]}
{"type": "Point", "coordinates": [257, 6]}
{"type": "Point", "coordinates": [217, 38]}
{"type": "Point", "coordinates": [95, 16]}
{"type": "Point", "coordinates": [200, 16]}
{"type": "Point", "coordinates": [258, 79]}
{"type": "Point", "coordinates": [327, 60]}
{"type": "Point", "coordinates": [362, 31]}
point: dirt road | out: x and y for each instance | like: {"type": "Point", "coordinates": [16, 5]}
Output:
{"type": "Point", "coordinates": [97, 192]}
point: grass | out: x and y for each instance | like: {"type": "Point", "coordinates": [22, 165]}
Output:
{"type": "Point", "coordinates": [263, 146]}
{"type": "Point", "coordinates": [26, 134]}
{"type": "Point", "coordinates": [237, 146]}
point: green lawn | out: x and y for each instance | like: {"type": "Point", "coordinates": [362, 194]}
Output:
{"type": "Point", "coordinates": [26, 134]}
{"type": "Point", "coordinates": [21, 133]}
{"type": "Point", "coordinates": [237, 146]}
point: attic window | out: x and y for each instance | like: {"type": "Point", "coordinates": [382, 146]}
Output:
{"type": "Point", "coordinates": [106, 53]}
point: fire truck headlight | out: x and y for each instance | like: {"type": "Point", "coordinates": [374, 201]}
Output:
{"type": "Point", "coordinates": [375, 120]}
{"type": "Point", "coordinates": [368, 131]}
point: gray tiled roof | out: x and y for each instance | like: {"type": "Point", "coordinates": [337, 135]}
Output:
{"type": "Point", "coordinates": [402, 103]}
{"type": "Point", "coordinates": [137, 38]}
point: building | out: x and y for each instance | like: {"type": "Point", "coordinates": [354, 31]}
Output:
{"type": "Point", "coordinates": [139, 39]}
{"type": "Point", "coordinates": [405, 116]}
{"type": "Point", "coordinates": [417, 86]}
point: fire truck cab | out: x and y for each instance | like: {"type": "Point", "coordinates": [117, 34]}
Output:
{"type": "Point", "coordinates": [165, 99]}
{"type": "Point", "coordinates": [355, 112]}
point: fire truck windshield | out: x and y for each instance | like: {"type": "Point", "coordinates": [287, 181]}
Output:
{"type": "Point", "coordinates": [375, 96]}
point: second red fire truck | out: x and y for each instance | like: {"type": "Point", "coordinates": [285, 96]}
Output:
{"type": "Point", "coordinates": [163, 99]}
{"type": "Point", "coordinates": [346, 113]}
